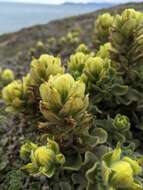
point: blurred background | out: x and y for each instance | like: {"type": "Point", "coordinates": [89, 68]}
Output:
{"type": "Point", "coordinates": [18, 14]}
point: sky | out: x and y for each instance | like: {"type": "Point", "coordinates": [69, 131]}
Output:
{"type": "Point", "coordinates": [76, 1]}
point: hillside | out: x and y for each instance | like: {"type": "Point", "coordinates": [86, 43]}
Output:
{"type": "Point", "coordinates": [19, 43]}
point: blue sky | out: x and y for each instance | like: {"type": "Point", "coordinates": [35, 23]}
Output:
{"type": "Point", "coordinates": [61, 1]}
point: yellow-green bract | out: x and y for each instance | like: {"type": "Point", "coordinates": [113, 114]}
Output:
{"type": "Point", "coordinates": [42, 68]}
{"type": "Point", "coordinates": [96, 69]}
{"type": "Point", "coordinates": [7, 75]}
{"type": "Point", "coordinates": [12, 95]}
{"type": "Point", "coordinates": [63, 97]}
{"type": "Point", "coordinates": [77, 63]}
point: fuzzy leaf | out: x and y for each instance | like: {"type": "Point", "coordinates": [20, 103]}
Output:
{"type": "Point", "coordinates": [119, 90]}
{"type": "Point", "coordinates": [91, 173]}
{"type": "Point", "coordinates": [73, 162]}
{"type": "Point", "coordinates": [65, 186]}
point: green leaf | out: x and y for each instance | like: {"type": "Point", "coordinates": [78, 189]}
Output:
{"type": "Point", "coordinates": [89, 158]}
{"type": "Point", "coordinates": [101, 134]}
{"type": "Point", "coordinates": [65, 186]}
{"type": "Point", "coordinates": [3, 165]}
{"type": "Point", "coordinates": [95, 137]}
{"type": "Point", "coordinates": [73, 162]}
{"type": "Point", "coordinates": [133, 96]}
{"type": "Point", "coordinates": [119, 90]}
{"type": "Point", "coordinates": [77, 178]}
{"type": "Point", "coordinates": [91, 173]}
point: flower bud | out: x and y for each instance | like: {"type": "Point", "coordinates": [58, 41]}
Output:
{"type": "Point", "coordinates": [72, 37]}
{"type": "Point", "coordinates": [7, 76]}
{"type": "Point", "coordinates": [132, 14]}
{"type": "Point", "coordinates": [104, 51]}
{"type": "Point", "coordinates": [121, 122]}
{"type": "Point", "coordinates": [76, 64]}
{"type": "Point", "coordinates": [128, 21]}
{"type": "Point", "coordinates": [51, 40]}
{"type": "Point", "coordinates": [40, 45]}
{"type": "Point", "coordinates": [94, 67]}
{"type": "Point", "coordinates": [102, 28]}
{"type": "Point", "coordinates": [42, 68]}
{"type": "Point", "coordinates": [105, 20]}
{"type": "Point", "coordinates": [44, 156]}
{"type": "Point", "coordinates": [120, 172]}
{"type": "Point", "coordinates": [122, 31]}
{"type": "Point", "coordinates": [82, 48]}
{"type": "Point", "coordinates": [12, 94]}
{"type": "Point", "coordinates": [123, 175]}
{"type": "Point", "coordinates": [62, 96]}
{"type": "Point", "coordinates": [44, 159]}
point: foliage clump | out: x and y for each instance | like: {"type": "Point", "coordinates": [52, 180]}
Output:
{"type": "Point", "coordinates": [89, 108]}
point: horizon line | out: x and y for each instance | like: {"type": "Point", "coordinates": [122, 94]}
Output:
{"type": "Point", "coordinates": [44, 3]}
